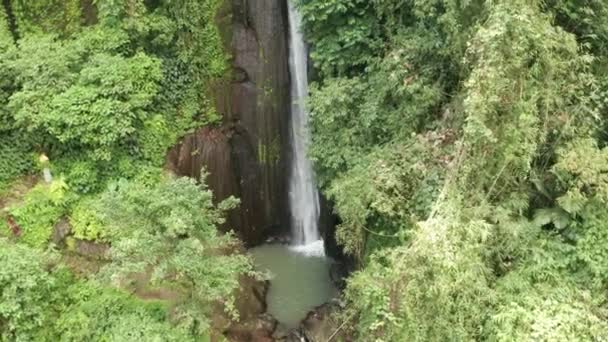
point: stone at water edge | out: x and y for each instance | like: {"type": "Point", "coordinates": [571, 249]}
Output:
{"type": "Point", "coordinates": [320, 324]}
{"type": "Point", "coordinates": [258, 329]}
{"type": "Point", "coordinates": [251, 297]}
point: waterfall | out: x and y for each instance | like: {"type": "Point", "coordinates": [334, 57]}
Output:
{"type": "Point", "coordinates": [303, 193]}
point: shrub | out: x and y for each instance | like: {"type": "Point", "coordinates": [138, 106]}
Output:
{"type": "Point", "coordinates": [168, 231]}
{"type": "Point", "coordinates": [85, 223]}
{"type": "Point", "coordinates": [27, 294]}
{"type": "Point", "coordinates": [96, 313]}
{"type": "Point", "coordinates": [40, 210]}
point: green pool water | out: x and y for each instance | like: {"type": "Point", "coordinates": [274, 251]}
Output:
{"type": "Point", "coordinates": [299, 281]}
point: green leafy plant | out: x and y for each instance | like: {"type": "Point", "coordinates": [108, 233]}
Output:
{"type": "Point", "coordinates": [85, 223]}
{"type": "Point", "coordinates": [93, 98]}
{"type": "Point", "coordinates": [43, 302]}
{"type": "Point", "coordinates": [15, 159]}
{"type": "Point", "coordinates": [40, 210]}
{"type": "Point", "coordinates": [95, 313]}
{"type": "Point", "coordinates": [345, 34]}
{"type": "Point", "coordinates": [167, 233]}
{"type": "Point", "coordinates": [27, 292]}
{"type": "Point", "coordinates": [465, 160]}
{"type": "Point", "coordinates": [105, 88]}
{"type": "Point", "coordinates": [47, 16]}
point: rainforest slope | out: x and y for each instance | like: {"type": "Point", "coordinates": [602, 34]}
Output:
{"type": "Point", "coordinates": [463, 144]}
{"type": "Point", "coordinates": [113, 248]}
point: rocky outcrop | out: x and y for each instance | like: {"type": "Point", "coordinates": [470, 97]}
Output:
{"type": "Point", "coordinates": [344, 264]}
{"type": "Point", "coordinates": [259, 329]}
{"type": "Point", "coordinates": [322, 324]}
{"type": "Point", "coordinates": [246, 156]}
{"type": "Point", "coordinates": [89, 12]}
{"type": "Point", "coordinates": [61, 230]}
{"type": "Point", "coordinates": [250, 298]}
{"type": "Point", "coordinates": [254, 323]}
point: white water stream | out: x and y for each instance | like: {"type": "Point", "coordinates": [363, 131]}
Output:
{"type": "Point", "coordinates": [303, 193]}
{"type": "Point", "coordinates": [299, 273]}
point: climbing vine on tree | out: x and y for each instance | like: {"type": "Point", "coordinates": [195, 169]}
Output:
{"type": "Point", "coordinates": [464, 159]}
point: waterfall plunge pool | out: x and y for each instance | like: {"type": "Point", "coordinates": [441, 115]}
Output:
{"type": "Point", "coordinates": [299, 280]}
{"type": "Point", "coordinates": [299, 275]}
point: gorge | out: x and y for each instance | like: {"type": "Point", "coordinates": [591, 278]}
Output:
{"type": "Point", "coordinates": [259, 155]}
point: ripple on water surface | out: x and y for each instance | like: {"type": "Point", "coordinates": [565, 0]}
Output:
{"type": "Point", "coordinates": [300, 280]}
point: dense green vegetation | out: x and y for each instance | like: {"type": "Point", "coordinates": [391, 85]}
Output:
{"type": "Point", "coordinates": [104, 88]}
{"type": "Point", "coordinates": [164, 247]}
{"type": "Point", "coordinates": [167, 270]}
{"type": "Point", "coordinates": [41, 301]}
{"type": "Point", "coordinates": [463, 144]}
{"type": "Point", "coordinates": [106, 99]}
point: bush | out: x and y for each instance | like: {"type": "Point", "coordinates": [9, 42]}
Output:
{"type": "Point", "coordinates": [15, 159]}
{"type": "Point", "coordinates": [167, 232]}
{"type": "Point", "coordinates": [40, 210]}
{"type": "Point", "coordinates": [84, 95]}
{"type": "Point", "coordinates": [96, 313]}
{"type": "Point", "coordinates": [435, 288]}
{"type": "Point", "coordinates": [28, 294]}
{"type": "Point", "coordinates": [466, 158]}
{"type": "Point", "coordinates": [85, 223]}
{"type": "Point", "coordinates": [42, 302]}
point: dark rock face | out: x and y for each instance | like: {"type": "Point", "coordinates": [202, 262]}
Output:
{"type": "Point", "coordinates": [254, 323]}
{"type": "Point", "coordinates": [327, 227]}
{"type": "Point", "coordinates": [246, 156]}
{"type": "Point", "coordinates": [343, 264]}
{"type": "Point", "coordinates": [89, 12]}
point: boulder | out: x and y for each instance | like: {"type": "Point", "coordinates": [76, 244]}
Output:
{"type": "Point", "coordinates": [322, 324]}
{"type": "Point", "coordinates": [251, 297]}
{"type": "Point", "coordinates": [257, 329]}
{"type": "Point", "coordinates": [61, 231]}
{"type": "Point", "coordinates": [92, 250]}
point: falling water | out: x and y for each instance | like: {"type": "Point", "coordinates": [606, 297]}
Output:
{"type": "Point", "coordinates": [303, 194]}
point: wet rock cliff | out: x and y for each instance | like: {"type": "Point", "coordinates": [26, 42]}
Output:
{"type": "Point", "coordinates": [246, 155]}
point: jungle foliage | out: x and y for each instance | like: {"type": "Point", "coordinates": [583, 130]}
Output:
{"type": "Point", "coordinates": [42, 301]}
{"type": "Point", "coordinates": [166, 272]}
{"type": "Point", "coordinates": [463, 145]}
{"type": "Point", "coordinates": [113, 248]}
{"type": "Point", "coordinates": [106, 84]}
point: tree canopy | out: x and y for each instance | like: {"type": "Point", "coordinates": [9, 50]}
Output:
{"type": "Point", "coordinates": [463, 146]}
{"type": "Point", "coordinates": [113, 248]}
